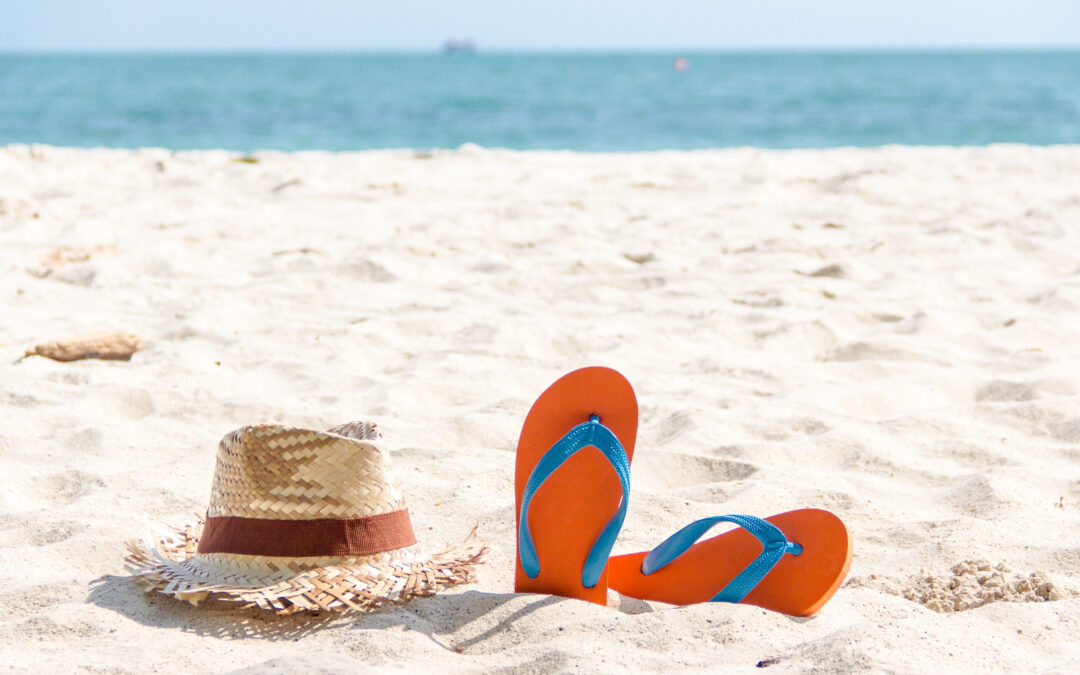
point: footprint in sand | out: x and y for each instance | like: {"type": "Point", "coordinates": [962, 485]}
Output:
{"type": "Point", "coordinates": [33, 598]}
{"type": "Point", "coordinates": [37, 627]}
{"type": "Point", "coordinates": [779, 430]}
{"type": "Point", "coordinates": [660, 471]}
{"type": "Point", "coordinates": [82, 274]}
{"type": "Point", "coordinates": [666, 430]}
{"type": "Point", "coordinates": [123, 403]}
{"type": "Point", "coordinates": [88, 439]}
{"type": "Point", "coordinates": [975, 497]}
{"type": "Point", "coordinates": [54, 532]}
{"type": "Point", "coordinates": [865, 351]}
{"type": "Point", "coordinates": [1002, 390]}
{"type": "Point", "coordinates": [798, 340]}
{"type": "Point", "coordinates": [367, 271]}
{"type": "Point", "coordinates": [968, 454]}
{"type": "Point", "coordinates": [1066, 430]}
{"type": "Point", "coordinates": [65, 487]}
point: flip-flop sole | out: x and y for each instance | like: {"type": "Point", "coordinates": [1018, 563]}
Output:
{"type": "Point", "coordinates": [571, 508]}
{"type": "Point", "coordinates": [798, 585]}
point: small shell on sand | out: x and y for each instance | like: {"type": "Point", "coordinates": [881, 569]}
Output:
{"type": "Point", "coordinates": [110, 346]}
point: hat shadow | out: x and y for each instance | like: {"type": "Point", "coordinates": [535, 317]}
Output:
{"type": "Point", "coordinates": [212, 618]}
{"type": "Point", "coordinates": [442, 617]}
{"type": "Point", "coordinates": [437, 617]}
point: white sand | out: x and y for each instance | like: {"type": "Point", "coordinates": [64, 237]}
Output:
{"type": "Point", "coordinates": [889, 334]}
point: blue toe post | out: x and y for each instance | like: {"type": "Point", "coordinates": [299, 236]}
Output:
{"type": "Point", "coordinates": [772, 539]}
{"type": "Point", "coordinates": [594, 434]}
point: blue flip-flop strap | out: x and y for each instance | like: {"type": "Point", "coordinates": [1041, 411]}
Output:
{"type": "Point", "coordinates": [772, 539]}
{"type": "Point", "coordinates": [588, 434]}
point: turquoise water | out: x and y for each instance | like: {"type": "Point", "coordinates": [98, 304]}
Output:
{"type": "Point", "coordinates": [605, 102]}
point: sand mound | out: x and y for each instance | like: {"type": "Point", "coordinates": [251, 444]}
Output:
{"type": "Point", "coordinates": [974, 583]}
{"type": "Point", "coordinates": [970, 584]}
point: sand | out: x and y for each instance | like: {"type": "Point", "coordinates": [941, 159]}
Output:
{"type": "Point", "coordinates": [890, 334]}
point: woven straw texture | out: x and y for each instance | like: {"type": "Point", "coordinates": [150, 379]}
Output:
{"type": "Point", "coordinates": [285, 473]}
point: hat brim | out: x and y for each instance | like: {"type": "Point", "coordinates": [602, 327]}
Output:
{"type": "Point", "coordinates": [166, 561]}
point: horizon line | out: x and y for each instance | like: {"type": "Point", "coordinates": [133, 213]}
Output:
{"type": "Point", "coordinates": [536, 50]}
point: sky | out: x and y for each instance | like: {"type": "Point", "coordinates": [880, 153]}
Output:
{"type": "Point", "coordinates": [311, 25]}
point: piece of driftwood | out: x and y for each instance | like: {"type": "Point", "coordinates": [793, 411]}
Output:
{"type": "Point", "coordinates": [109, 346]}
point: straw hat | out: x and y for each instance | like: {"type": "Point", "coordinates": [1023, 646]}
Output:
{"type": "Point", "coordinates": [300, 520]}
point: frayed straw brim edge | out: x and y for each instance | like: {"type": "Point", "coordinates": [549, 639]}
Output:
{"type": "Point", "coordinates": [158, 563]}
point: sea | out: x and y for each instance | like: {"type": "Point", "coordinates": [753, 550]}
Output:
{"type": "Point", "coordinates": [605, 102]}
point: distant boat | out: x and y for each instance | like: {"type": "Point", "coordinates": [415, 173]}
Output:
{"type": "Point", "coordinates": [459, 46]}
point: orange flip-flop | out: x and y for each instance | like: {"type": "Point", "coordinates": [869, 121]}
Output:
{"type": "Point", "coordinates": [790, 563]}
{"type": "Point", "coordinates": [572, 483]}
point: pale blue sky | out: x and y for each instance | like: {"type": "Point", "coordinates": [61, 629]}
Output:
{"type": "Point", "coordinates": [538, 24]}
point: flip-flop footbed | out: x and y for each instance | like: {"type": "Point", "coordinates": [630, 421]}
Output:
{"type": "Point", "coordinates": [798, 585]}
{"type": "Point", "coordinates": [572, 507]}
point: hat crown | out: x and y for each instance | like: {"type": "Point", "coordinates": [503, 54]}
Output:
{"type": "Point", "coordinates": [287, 473]}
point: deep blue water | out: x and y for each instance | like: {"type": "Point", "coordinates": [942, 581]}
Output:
{"type": "Point", "coordinates": [591, 101]}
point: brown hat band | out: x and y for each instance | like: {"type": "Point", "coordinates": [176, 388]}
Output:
{"type": "Point", "coordinates": [308, 538]}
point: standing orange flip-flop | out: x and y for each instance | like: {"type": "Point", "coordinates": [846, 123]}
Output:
{"type": "Point", "coordinates": [572, 483]}
{"type": "Point", "coordinates": [790, 563]}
